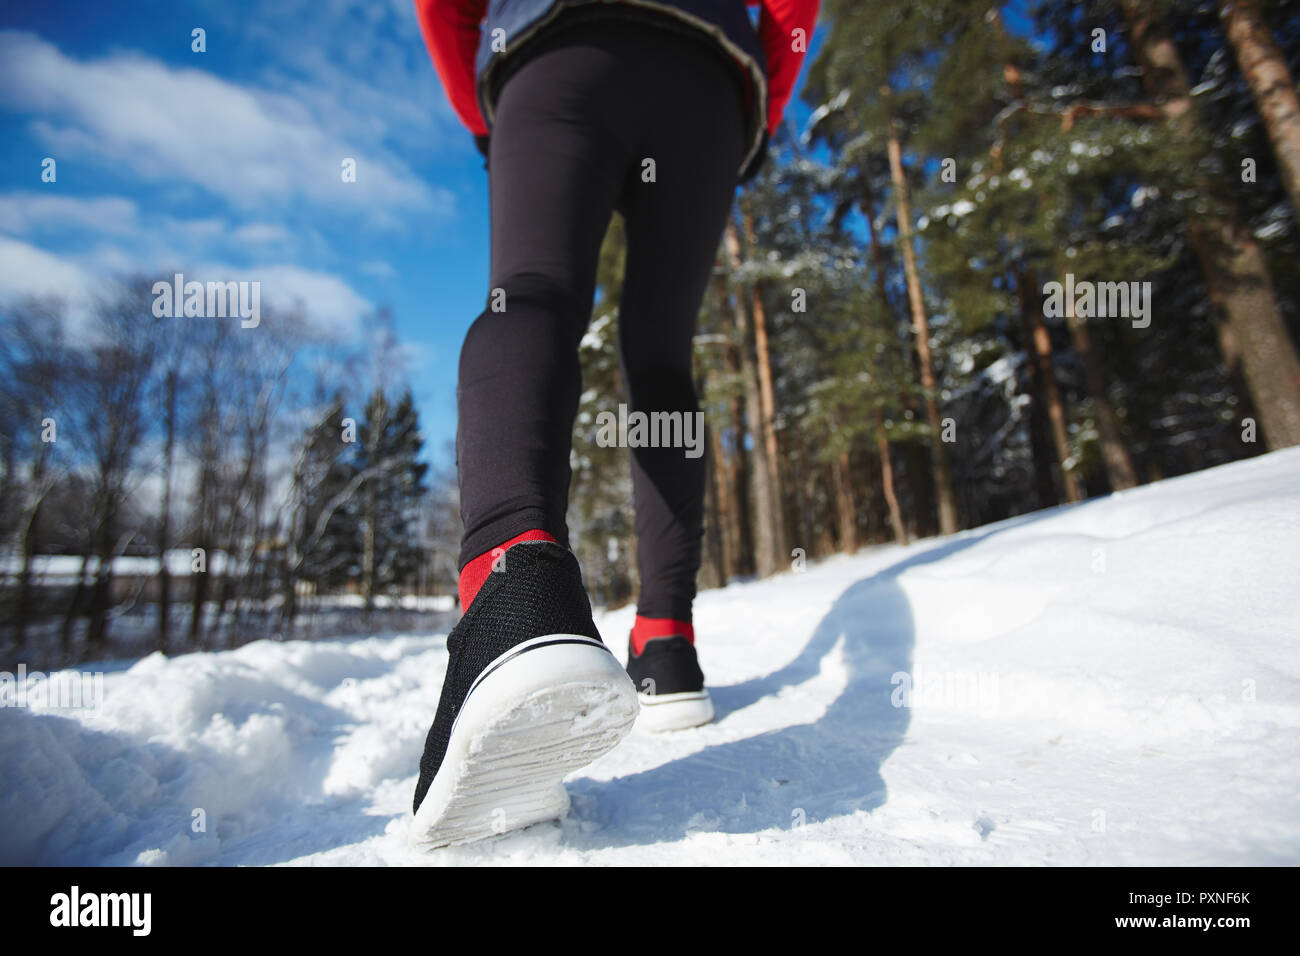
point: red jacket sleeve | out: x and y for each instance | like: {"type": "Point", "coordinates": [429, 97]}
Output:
{"type": "Point", "coordinates": [451, 32]}
{"type": "Point", "coordinates": [777, 22]}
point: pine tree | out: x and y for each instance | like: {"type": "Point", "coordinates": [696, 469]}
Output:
{"type": "Point", "coordinates": [387, 506]}
{"type": "Point", "coordinates": [321, 538]}
{"type": "Point", "coordinates": [866, 73]}
{"type": "Point", "coordinates": [1234, 264]}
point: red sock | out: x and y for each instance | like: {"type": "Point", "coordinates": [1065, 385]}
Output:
{"type": "Point", "coordinates": [648, 628]}
{"type": "Point", "coordinates": [476, 572]}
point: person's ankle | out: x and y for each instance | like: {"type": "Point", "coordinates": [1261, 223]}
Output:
{"type": "Point", "coordinates": [646, 629]}
{"type": "Point", "coordinates": [476, 571]}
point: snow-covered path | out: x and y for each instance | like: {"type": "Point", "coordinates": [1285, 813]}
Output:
{"type": "Point", "coordinates": [1113, 683]}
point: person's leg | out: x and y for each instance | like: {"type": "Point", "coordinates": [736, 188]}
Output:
{"type": "Point", "coordinates": [694, 132]}
{"type": "Point", "coordinates": [555, 174]}
{"type": "Point", "coordinates": [527, 672]}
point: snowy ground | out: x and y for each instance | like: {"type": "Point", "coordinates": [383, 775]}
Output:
{"type": "Point", "coordinates": [1114, 683]}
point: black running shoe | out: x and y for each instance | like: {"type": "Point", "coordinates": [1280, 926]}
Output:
{"type": "Point", "coordinates": [530, 694]}
{"type": "Point", "coordinates": [670, 684]}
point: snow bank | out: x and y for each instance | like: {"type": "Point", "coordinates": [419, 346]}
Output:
{"type": "Point", "coordinates": [1112, 683]}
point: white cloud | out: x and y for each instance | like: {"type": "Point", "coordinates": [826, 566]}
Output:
{"type": "Point", "coordinates": [254, 148]}
{"type": "Point", "coordinates": [137, 241]}
{"type": "Point", "coordinates": [415, 357]}
{"type": "Point", "coordinates": [329, 306]}
{"type": "Point", "coordinates": [27, 213]}
{"type": "Point", "coordinates": [332, 307]}
{"type": "Point", "coordinates": [261, 233]}
{"type": "Point", "coordinates": [26, 270]}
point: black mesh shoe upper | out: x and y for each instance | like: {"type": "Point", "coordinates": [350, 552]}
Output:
{"type": "Point", "coordinates": [538, 592]}
{"type": "Point", "coordinates": [666, 665]}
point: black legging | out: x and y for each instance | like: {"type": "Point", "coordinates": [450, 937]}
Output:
{"type": "Point", "coordinates": [574, 124]}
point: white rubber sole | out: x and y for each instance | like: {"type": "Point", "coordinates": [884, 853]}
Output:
{"type": "Point", "coordinates": [538, 712]}
{"type": "Point", "coordinates": [661, 712]}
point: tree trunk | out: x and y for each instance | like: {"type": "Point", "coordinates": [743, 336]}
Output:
{"type": "Point", "coordinates": [720, 503]}
{"type": "Point", "coordinates": [802, 519]}
{"type": "Point", "coordinates": [746, 551]}
{"type": "Point", "coordinates": [1237, 267]}
{"type": "Point", "coordinates": [768, 554]}
{"type": "Point", "coordinates": [714, 535]}
{"type": "Point", "coordinates": [1039, 427]}
{"type": "Point", "coordinates": [1229, 350]}
{"type": "Point", "coordinates": [260, 590]}
{"type": "Point", "coordinates": [9, 482]}
{"type": "Point", "coordinates": [289, 606]}
{"type": "Point", "coordinates": [205, 519]}
{"type": "Point", "coordinates": [101, 590]}
{"type": "Point", "coordinates": [232, 568]}
{"type": "Point", "coordinates": [1119, 467]}
{"type": "Point", "coordinates": [921, 329]}
{"type": "Point", "coordinates": [766, 394]}
{"type": "Point", "coordinates": [74, 608]}
{"type": "Point", "coordinates": [1255, 338]}
{"type": "Point", "coordinates": [370, 527]}
{"type": "Point", "coordinates": [164, 527]}
{"type": "Point", "coordinates": [845, 507]}
{"type": "Point", "coordinates": [368, 548]}
{"type": "Point", "coordinates": [726, 504]}
{"type": "Point", "coordinates": [887, 482]}
{"type": "Point", "coordinates": [743, 556]}
{"type": "Point", "coordinates": [28, 544]}
{"type": "Point", "coordinates": [1041, 344]}
{"type": "Point", "coordinates": [1265, 70]}
{"type": "Point", "coordinates": [882, 440]}
{"type": "Point", "coordinates": [200, 584]}
{"type": "Point", "coordinates": [1047, 413]}
{"type": "Point", "coordinates": [23, 601]}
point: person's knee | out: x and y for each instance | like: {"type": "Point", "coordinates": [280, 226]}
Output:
{"type": "Point", "coordinates": [529, 314]}
{"type": "Point", "coordinates": [534, 292]}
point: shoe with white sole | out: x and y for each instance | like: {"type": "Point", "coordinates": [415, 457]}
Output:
{"type": "Point", "coordinates": [670, 684]}
{"type": "Point", "coordinates": [530, 695]}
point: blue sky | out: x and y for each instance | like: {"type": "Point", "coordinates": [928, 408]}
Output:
{"type": "Point", "coordinates": [227, 163]}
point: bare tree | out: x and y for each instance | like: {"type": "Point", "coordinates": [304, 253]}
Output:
{"type": "Point", "coordinates": [34, 367]}
{"type": "Point", "coordinates": [108, 419]}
